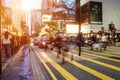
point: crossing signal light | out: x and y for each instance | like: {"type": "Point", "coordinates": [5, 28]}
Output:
{"type": "Point", "coordinates": [23, 24]}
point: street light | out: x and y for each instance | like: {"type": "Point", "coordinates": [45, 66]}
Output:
{"type": "Point", "coordinates": [78, 19]}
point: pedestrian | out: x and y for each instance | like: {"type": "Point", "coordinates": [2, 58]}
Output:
{"type": "Point", "coordinates": [79, 40]}
{"type": "Point", "coordinates": [25, 40]}
{"type": "Point", "coordinates": [93, 39]}
{"type": "Point", "coordinates": [6, 41]}
{"type": "Point", "coordinates": [104, 40]}
{"type": "Point", "coordinates": [25, 43]}
{"type": "Point", "coordinates": [12, 45]}
{"type": "Point", "coordinates": [16, 43]}
{"type": "Point", "coordinates": [113, 32]}
{"type": "Point", "coordinates": [58, 43]}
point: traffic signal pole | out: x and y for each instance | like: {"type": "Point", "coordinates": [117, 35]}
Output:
{"type": "Point", "coordinates": [78, 20]}
{"type": "Point", "coordinates": [0, 40]}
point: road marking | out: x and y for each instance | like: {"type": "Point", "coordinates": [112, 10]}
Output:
{"type": "Point", "coordinates": [87, 69]}
{"type": "Point", "coordinates": [99, 56]}
{"type": "Point", "coordinates": [100, 63]}
{"type": "Point", "coordinates": [62, 71]}
{"type": "Point", "coordinates": [37, 73]}
{"type": "Point", "coordinates": [108, 55]}
{"type": "Point", "coordinates": [48, 69]}
{"type": "Point", "coordinates": [113, 52]}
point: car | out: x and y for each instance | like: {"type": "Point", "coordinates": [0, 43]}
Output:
{"type": "Point", "coordinates": [44, 41]}
{"type": "Point", "coordinates": [87, 42]}
{"type": "Point", "coordinates": [36, 42]}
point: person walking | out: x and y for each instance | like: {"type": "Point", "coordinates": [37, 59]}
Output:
{"type": "Point", "coordinates": [104, 40]}
{"type": "Point", "coordinates": [93, 39]}
{"type": "Point", "coordinates": [113, 32]}
{"type": "Point", "coordinates": [6, 41]}
{"type": "Point", "coordinates": [16, 44]}
{"type": "Point", "coordinates": [79, 40]}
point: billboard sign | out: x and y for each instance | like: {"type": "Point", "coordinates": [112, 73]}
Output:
{"type": "Point", "coordinates": [72, 28]}
{"type": "Point", "coordinates": [64, 10]}
{"type": "Point", "coordinates": [95, 12]}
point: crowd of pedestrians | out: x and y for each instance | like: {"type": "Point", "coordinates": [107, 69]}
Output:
{"type": "Point", "coordinates": [11, 43]}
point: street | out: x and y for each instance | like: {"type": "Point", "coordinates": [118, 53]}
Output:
{"type": "Point", "coordinates": [39, 64]}
{"type": "Point", "coordinates": [59, 40]}
{"type": "Point", "coordinates": [91, 65]}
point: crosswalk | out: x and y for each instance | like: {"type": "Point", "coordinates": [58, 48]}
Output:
{"type": "Point", "coordinates": [91, 65]}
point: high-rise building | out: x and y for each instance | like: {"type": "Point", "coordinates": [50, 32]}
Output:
{"type": "Point", "coordinates": [36, 20]}
{"type": "Point", "coordinates": [12, 10]}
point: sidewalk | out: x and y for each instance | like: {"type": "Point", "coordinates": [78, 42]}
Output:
{"type": "Point", "coordinates": [6, 61]}
{"type": "Point", "coordinates": [17, 67]}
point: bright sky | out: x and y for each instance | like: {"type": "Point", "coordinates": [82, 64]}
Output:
{"type": "Point", "coordinates": [31, 4]}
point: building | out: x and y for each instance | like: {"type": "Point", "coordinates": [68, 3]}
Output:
{"type": "Point", "coordinates": [110, 10]}
{"type": "Point", "coordinates": [36, 20]}
{"type": "Point", "coordinates": [12, 13]}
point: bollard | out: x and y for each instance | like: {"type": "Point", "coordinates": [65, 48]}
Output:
{"type": "Point", "coordinates": [71, 56]}
{"type": "Point", "coordinates": [91, 46]}
{"type": "Point", "coordinates": [59, 52]}
{"type": "Point", "coordinates": [63, 61]}
{"type": "Point", "coordinates": [80, 49]}
{"type": "Point", "coordinates": [29, 49]}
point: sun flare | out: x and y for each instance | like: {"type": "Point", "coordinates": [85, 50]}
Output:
{"type": "Point", "coordinates": [27, 5]}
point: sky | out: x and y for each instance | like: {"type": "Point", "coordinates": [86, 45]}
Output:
{"type": "Point", "coordinates": [31, 4]}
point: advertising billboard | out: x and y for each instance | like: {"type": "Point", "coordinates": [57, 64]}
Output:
{"type": "Point", "coordinates": [65, 10]}
{"type": "Point", "coordinates": [95, 12]}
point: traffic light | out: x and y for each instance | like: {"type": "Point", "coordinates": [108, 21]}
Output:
{"type": "Point", "coordinates": [111, 27]}
{"type": "Point", "coordinates": [23, 24]}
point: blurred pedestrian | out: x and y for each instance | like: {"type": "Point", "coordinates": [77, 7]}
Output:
{"type": "Point", "coordinates": [25, 41]}
{"type": "Point", "coordinates": [6, 41]}
{"type": "Point", "coordinates": [79, 40]}
{"type": "Point", "coordinates": [12, 44]}
{"type": "Point", "coordinates": [113, 32]}
{"type": "Point", "coordinates": [93, 39]}
{"type": "Point", "coordinates": [58, 43]}
{"type": "Point", "coordinates": [16, 43]}
{"type": "Point", "coordinates": [104, 40]}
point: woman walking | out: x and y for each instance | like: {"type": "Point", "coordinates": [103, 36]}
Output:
{"type": "Point", "coordinates": [6, 41]}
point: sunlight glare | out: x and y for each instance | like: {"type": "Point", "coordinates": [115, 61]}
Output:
{"type": "Point", "coordinates": [27, 5]}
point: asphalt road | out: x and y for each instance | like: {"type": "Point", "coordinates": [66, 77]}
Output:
{"type": "Point", "coordinates": [38, 64]}
{"type": "Point", "coordinates": [91, 65]}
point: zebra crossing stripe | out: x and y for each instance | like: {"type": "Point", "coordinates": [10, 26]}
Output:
{"type": "Point", "coordinates": [95, 55]}
{"type": "Point", "coordinates": [87, 69]}
{"type": "Point", "coordinates": [101, 53]}
{"type": "Point", "coordinates": [101, 57]}
{"type": "Point", "coordinates": [62, 71]}
{"type": "Point", "coordinates": [100, 63]}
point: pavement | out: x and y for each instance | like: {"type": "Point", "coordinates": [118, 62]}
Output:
{"type": "Point", "coordinates": [18, 65]}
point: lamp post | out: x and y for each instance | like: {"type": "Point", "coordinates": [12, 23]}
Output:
{"type": "Point", "coordinates": [78, 20]}
{"type": "Point", "coordinates": [0, 40]}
